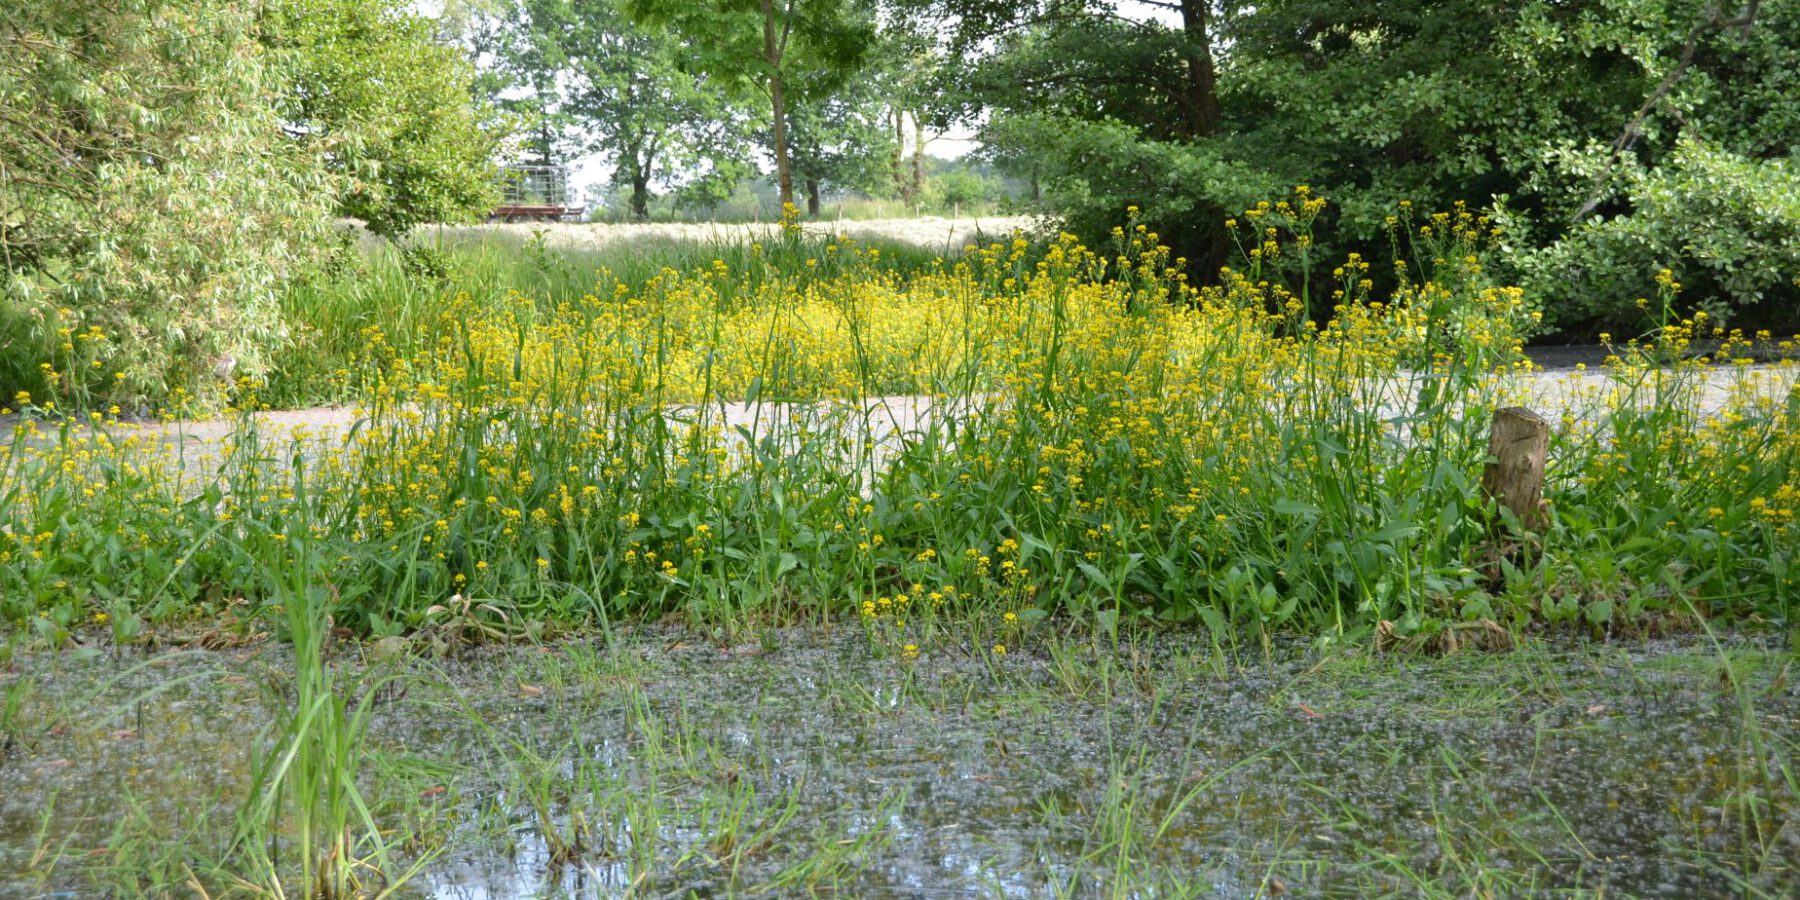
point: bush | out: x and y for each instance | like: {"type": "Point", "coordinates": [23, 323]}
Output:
{"type": "Point", "coordinates": [150, 205]}
{"type": "Point", "coordinates": [954, 190]}
{"type": "Point", "coordinates": [1728, 228]}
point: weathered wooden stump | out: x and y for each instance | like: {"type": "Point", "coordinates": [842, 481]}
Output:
{"type": "Point", "coordinates": [1518, 447]}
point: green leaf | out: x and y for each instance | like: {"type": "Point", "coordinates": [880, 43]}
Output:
{"type": "Point", "coordinates": [1290, 507]}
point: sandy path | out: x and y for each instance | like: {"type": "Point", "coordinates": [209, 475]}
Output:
{"type": "Point", "coordinates": [883, 421]}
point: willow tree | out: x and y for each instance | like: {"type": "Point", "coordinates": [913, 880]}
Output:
{"type": "Point", "coordinates": [166, 166]}
{"type": "Point", "coordinates": [150, 206]}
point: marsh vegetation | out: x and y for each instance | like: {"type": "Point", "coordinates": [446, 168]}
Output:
{"type": "Point", "coordinates": [650, 762]}
{"type": "Point", "coordinates": [1154, 545]}
{"type": "Point", "coordinates": [1141, 591]}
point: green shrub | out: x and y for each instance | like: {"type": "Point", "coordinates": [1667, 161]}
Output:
{"type": "Point", "coordinates": [389, 107]}
{"type": "Point", "coordinates": [150, 207]}
{"type": "Point", "coordinates": [955, 190]}
{"type": "Point", "coordinates": [1728, 228]}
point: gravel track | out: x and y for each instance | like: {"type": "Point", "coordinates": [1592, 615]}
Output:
{"type": "Point", "coordinates": [880, 420]}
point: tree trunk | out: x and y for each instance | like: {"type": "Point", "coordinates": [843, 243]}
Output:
{"type": "Point", "coordinates": [918, 160]}
{"type": "Point", "coordinates": [635, 172]}
{"type": "Point", "coordinates": [812, 197]}
{"type": "Point", "coordinates": [898, 161]}
{"type": "Point", "coordinates": [1200, 100]}
{"type": "Point", "coordinates": [640, 196]}
{"type": "Point", "coordinates": [784, 173]}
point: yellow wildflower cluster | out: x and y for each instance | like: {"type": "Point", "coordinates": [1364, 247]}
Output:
{"type": "Point", "coordinates": [1028, 425]}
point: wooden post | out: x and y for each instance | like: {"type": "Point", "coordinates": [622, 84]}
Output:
{"type": "Point", "coordinates": [1518, 447]}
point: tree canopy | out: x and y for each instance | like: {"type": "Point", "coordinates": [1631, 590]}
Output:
{"type": "Point", "coordinates": [588, 79]}
{"type": "Point", "coordinates": [150, 203]}
{"type": "Point", "coordinates": [388, 108]}
{"type": "Point", "coordinates": [773, 47]}
{"type": "Point", "coordinates": [1580, 122]}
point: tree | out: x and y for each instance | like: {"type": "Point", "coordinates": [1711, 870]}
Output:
{"type": "Point", "coordinates": [589, 79]}
{"type": "Point", "coordinates": [1089, 57]}
{"type": "Point", "coordinates": [388, 107]}
{"type": "Point", "coordinates": [643, 110]}
{"type": "Point", "coordinates": [1564, 112]}
{"type": "Point", "coordinates": [150, 208]}
{"type": "Point", "coordinates": [1099, 112]}
{"type": "Point", "coordinates": [840, 144]}
{"type": "Point", "coordinates": [521, 56]}
{"type": "Point", "coordinates": [960, 184]}
{"type": "Point", "coordinates": [912, 66]}
{"type": "Point", "coordinates": [763, 43]}
{"type": "Point", "coordinates": [839, 135]}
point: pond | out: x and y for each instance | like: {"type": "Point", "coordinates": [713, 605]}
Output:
{"type": "Point", "coordinates": [658, 762]}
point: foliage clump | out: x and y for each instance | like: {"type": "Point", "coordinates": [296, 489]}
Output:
{"type": "Point", "coordinates": [150, 207]}
{"type": "Point", "coordinates": [799, 430]}
{"type": "Point", "coordinates": [387, 107]}
{"type": "Point", "coordinates": [1621, 138]}
{"type": "Point", "coordinates": [168, 167]}
{"type": "Point", "coordinates": [1730, 227]}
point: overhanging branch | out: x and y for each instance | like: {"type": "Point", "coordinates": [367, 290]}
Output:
{"type": "Point", "coordinates": [1634, 129]}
